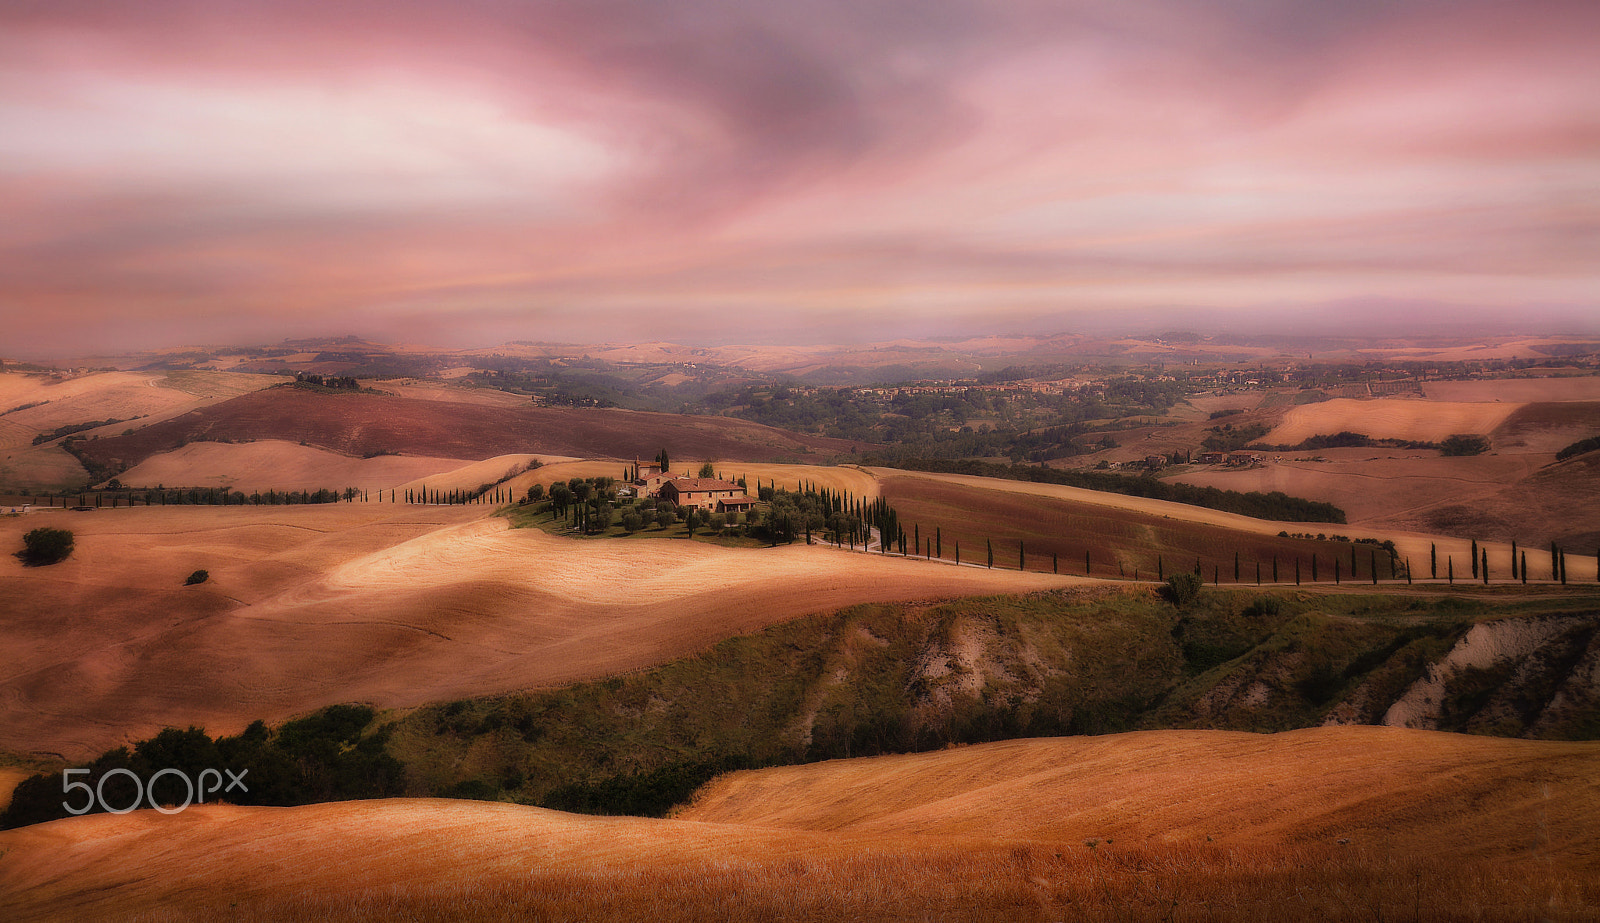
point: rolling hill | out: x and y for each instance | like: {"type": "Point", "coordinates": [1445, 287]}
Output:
{"type": "Point", "coordinates": [364, 424]}
{"type": "Point", "coordinates": [1338, 824]}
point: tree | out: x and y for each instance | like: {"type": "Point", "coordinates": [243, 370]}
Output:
{"type": "Point", "coordinates": [1514, 559]}
{"type": "Point", "coordinates": [665, 517]}
{"type": "Point", "coordinates": [707, 471]}
{"type": "Point", "coordinates": [663, 461]}
{"type": "Point", "coordinates": [45, 545]}
{"type": "Point", "coordinates": [990, 546]}
{"type": "Point", "coordinates": [1475, 558]}
{"type": "Point", "coordinates": [1433, 561]}
{"type": "Point", "coordinates": [536, 493]}
{"type": "Point", "coordinates": [198, 576]}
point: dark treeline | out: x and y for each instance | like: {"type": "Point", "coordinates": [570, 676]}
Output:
{"type": "Point", "coordinates": [1275, 505]}
{"type": "Point", "coordinates": [1343, 439]}
{"type": "Point", "coordinates": [322, 757]}
{"type": "Point", "coordinates": [1578, 448]}
{"type": "Point", "coordinates": [201, 496]}
{"type": "Point", "coordinates": [335, 383]}
{"type": "Point", "coordinates": [70, 428]}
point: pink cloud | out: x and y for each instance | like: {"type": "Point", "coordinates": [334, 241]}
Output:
{"type": "Point", "coordinates": [206, 170]}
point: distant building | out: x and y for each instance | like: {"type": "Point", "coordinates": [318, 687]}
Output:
{"type": "Point", "coordinates": [1243, 459]}
{"type": "Point", "coordinates": [1155, 461]}
{"type": "Point", "coordinates": [1213, 458]}
{"type": "Point", "coordinates": [705, 493]}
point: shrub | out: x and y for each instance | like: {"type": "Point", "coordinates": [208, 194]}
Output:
{"type": "Point", "coordinates": [1264, 605]}
{"type": "Point", "coordinates": [1182, 588]}
{"type": "Point", "coordinates": [198, 576]}
{"type": "Point", "coordinates": [1464, 444]}
{"type": "Point", "coordinates": [46, 546]}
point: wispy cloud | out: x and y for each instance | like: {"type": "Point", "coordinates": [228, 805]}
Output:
{"type": "Point", "coordinates": [176, 170]}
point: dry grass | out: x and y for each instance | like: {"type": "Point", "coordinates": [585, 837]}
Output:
{"type": "Point", "coordinates": [1423, 794]}
{"type": "Point", "coordinates": [9, 777]}
{"type": "Point", "coordinates": [273, 464]}
{"type": "Point", "coordinates": [71, 399]}
{"type": "Point", "coordinates": [1374, 486]}
{"type": "Point", "coordinates": [360, 424]}
{"type": "Point", "coordinates": [438, 860]}
{"type": "Point", "coordinates": [1428, 421]}
{"type": "Point", "coordinates": [1516, 390]}
{"type": "Point", "coordinates": [390, 604]}
{"type": "Point", "coordinates": [1410, 541]}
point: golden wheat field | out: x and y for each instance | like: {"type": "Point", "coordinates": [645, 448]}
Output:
{"type": "Point", "coordinates": [35, 403]}
{"type": "Point", "coordinates": [1373, 486]}
{"type": "Point", "coordinates": [273, 464]}
{"type": "Point", "coordinates": [1412, 545]}
{"type": "Point", "coordinates": [387, 603]}
{"type": "Point", "coordinates": [1389, 418]}
{"type": "Point", "coordinates": [1326, 824]}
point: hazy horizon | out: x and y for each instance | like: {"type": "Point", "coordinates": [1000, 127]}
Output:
{"type": "Point", "coordinates": [712, 172]}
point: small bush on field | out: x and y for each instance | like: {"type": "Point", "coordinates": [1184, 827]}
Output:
{"type": "Point", "coordinates": [198, 576]}
{"type": "Point", "coordinates": [45, 546]}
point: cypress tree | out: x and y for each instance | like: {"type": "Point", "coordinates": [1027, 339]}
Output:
{"type": "Point", "coordinates": [1216, 575]}
{"type": "Point", "coordinates": [1236, 567]}
{"type": "Point", "coordinates": [1297, 570]}
{"type": "Point", "coordinates": [1450, 567]}
{"type": "Point", "coordinates": [1336, 574]}
{"type": "Point", "coordinates": [1475, 559]}
{"type": "Point", "coordinates": [1055, 563]}
{"type": "Point", "coordinates": [1563, 567]}
{"type": "Point", "coordinates": [1161, 573]}
{"type": "Point", "coordinates": [938, 542]}
{"type": "Point", "coordinates": [916, 532]}
{"type": "Point", "coordinates": [1513, 559]}
{"type": "Point", "coordinates": [990, 546]}
{"type": "Point", "coordinates": [958, 554]}
{"type": "Point", "coordinates": [1408, 571]}
{"type": "Point", "coordinates": [1524, 568]}
{"type": "Point", "coordinates": [1555, 571]}
{"type": "Point", "coordinates": [1433, 560]}
{"type": "Point", "coordinates": [1258, 573]}
{"type": "Point", "coordinates": [1486, 565]}
{"type": "Point", "coordinates": [1022, 555]}
{"type": "Point", "coordinates": [1275, 569]}
{"type": "Point", "coordinates": [1374, 565]}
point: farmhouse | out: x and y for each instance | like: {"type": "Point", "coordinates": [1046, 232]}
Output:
{"type": "Point", "coordinates": [648, 477]}
{"type": "Point", "coordinates": [1243, 459]}
{"type": "Point", "coordinates": [705, 493]}
{"type": "Point", "coordinates": [1212, 458]}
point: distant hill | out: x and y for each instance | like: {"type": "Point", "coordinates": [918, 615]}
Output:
{"type": "Point", "coordinates": [361, 424]}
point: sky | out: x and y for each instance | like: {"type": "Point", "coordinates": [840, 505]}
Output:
{"type": "Point", "coordinates": [477, 171]}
